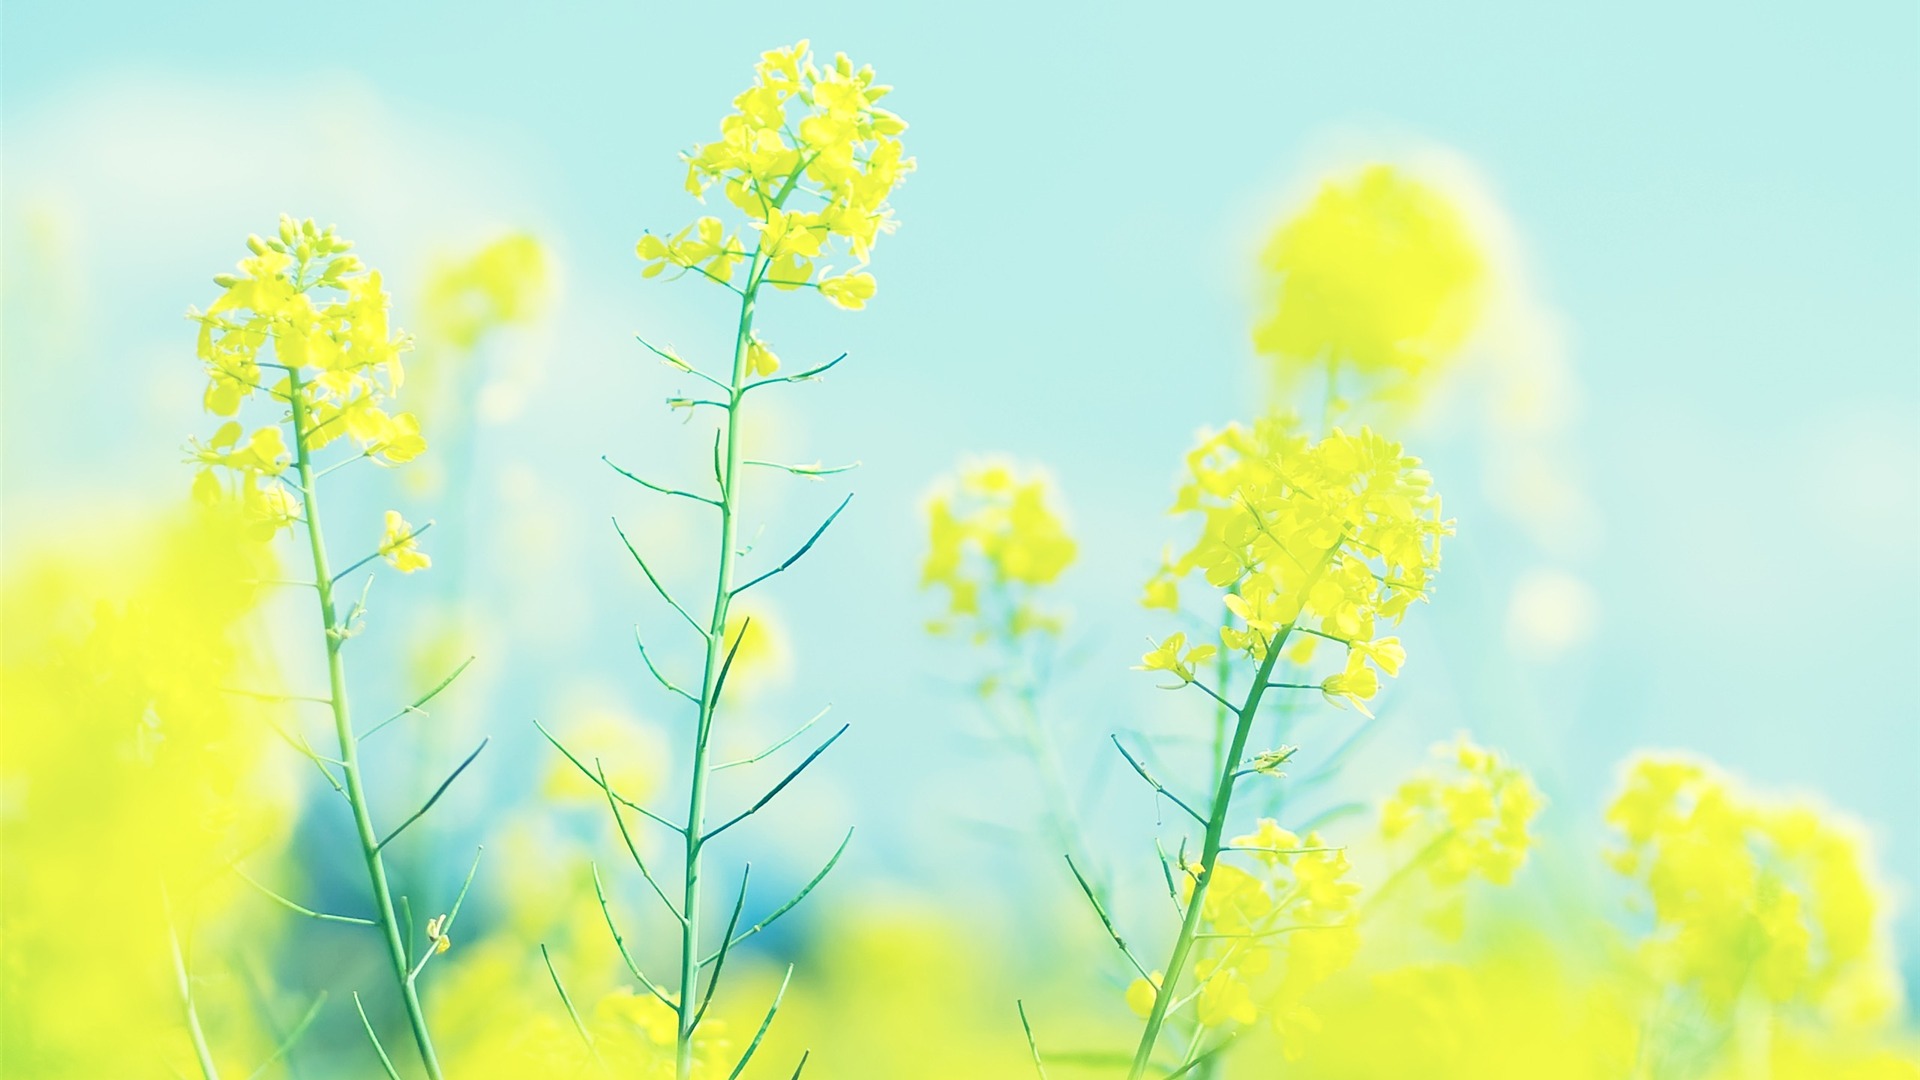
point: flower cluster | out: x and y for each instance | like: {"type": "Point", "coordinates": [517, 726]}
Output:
{"type": "Point", "coordinates": [504, 283]}
{"type": "Point", "coordinates": [1269, 934]}
{"type": "Point", "coordinates": [304, 300]}
{"type": "Point", "coordinates": [1472, 816]}
{"type": "Point", "coordinates": [995, 538]}
{"type": "Point", "coordinates": [799, 129]}
{"type": "Point", "coordinates": [635, 1032]}
{"type": "Point", "coordinates": [399, 546]}
{"type": "Point", "coordinates": [1749, 895]}
{"type": "Point", "coordinates": [1331, 537]}
{"type": "Point", "coordinates": [1378, 274]}
{"type": "Point", "coordinates": [126, 755]}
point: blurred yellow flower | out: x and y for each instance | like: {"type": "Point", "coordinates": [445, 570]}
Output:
{"type": "Point", "coordinates": [508, 281]}
{"type": "Point", "coordinates": [1472, 815]}
{"type": "Point", "coordinates": [996, 535]}
{"type": "Point", "coordinates": [1379, 275]}
{"type": "Point", "coordinates": [133, 770]}
{"type": "Point", "coordinates": [1753, 895]}
{"type": "Point", "coordinates": [399, 546]}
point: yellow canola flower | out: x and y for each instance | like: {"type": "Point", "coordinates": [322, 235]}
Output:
{"type": "Point", "coordinates": [1336, 536]}
{"type": "Point", "coordinates": [759, 647]}
{"type": "Point", "coordinates": [1517, 1008]}
{"type": "Point", "coordinates": [760, 359]}
{"type": "Point", "coordinates": [1379, 275]}
{"type": "Point", "coordinates": [1751, 895]}
{"type": "Point", "coordinates": [1269, 934]}
{"type": "Point", "coordinates": [306, 302]}
{"type": "Point", "coordinates": [399, 546]}
{"type": "Point", "coordinates": [1141, 992]}
{"type": "Point", "coordinates": [504, 283]}
{"type": "Point", "coordinates": [995, 537]}
{"type": "Point", "coordinates": [134, 778]}
{"type": "Point", "coordinates": [1470, 816]}
{"type": "Point", "coordinates": [805, 131]}
{"type": "Point", "coordinates": [1175, 656]}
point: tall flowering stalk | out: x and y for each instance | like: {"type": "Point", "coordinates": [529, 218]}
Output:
{"type": "Point", "coordinates": [304, 300]}
{"type": "Point", "coordinates": [1330, 539]}
{"type": "Point", "coordinates": [808, 159]}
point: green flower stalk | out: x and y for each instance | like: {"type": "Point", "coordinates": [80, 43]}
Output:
{"type": "Point", "coordinates": [809, 160]}
{"type": "Point", "coordinates": [1325, 539]}
{"type": "Point", "coordinates": [335, 367]}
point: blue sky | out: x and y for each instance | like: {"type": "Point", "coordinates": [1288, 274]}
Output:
{"type": "Point", "coordinates": [1714, 212]}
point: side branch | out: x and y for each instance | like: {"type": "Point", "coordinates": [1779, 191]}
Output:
{"type": "Point", "coordinates": [632, 849]}
{"type": "Point", "coordinates": [651, 486]}
{"type": "Point", "coordinates": [777, 788]}
{"type": "Point", "coordinates": [798, 376]}
{"type": "Point", "coordinates": [1155, 784]}
{"type": "Point", "coordinates": [657, 676]}
{"type": "Point", "coordinates": [588, 773]}
{"type": "Point", "coordinates": [358, 563]}
{"type": "Point", "coordinates": [417, 708]}
{"type": "Point", "coordinates": [435, 797]}
{"type": "Point", "coordinates": [657, 587]}
{"type": "Point", "coordinates": [1106, 921]}
{"type": "Point", "coordinates": [620, 943]}
{"type": "Point", "coordinates": [776, 747]}
{"type": "Point", "coordinates": [764, 1025]}
{"type": "Point", "coordinates": [726, 945]}
{"type": "Point", "coordinates": [790, 904]}
{"type": "Point", "coordinates": [297, 908]}
{"type": "Point", "coordinates": [804, 548]}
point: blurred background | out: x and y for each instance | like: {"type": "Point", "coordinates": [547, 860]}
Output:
{"type": "Point", "coordinates": [1683, 451]}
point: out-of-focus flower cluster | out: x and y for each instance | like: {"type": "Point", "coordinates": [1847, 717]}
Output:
{"type": "Point", "coordinates": [132, 771]}
{"type": "Point", "coordinates": [1752, 896]}
{"type": "Point", "coordinates": [800, 129]}
{"type": "Point", "coordinates": [507, 282]}
{"type": "Point", "coordinates": [1379, 276]}
{"type": "Point", "coordinates": [1470, 817]}
{"type": "Point", "coordinates": [995, 539]}
{"type": "Point", "coordinates": [1332, 537]}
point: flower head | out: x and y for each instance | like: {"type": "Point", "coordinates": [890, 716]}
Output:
{"type": "Point", "coordinates": [808, 158]}
{"type": "Point", "coordinates": [1331, 538]}
{"type": "Point", "coordinates": [304, 300]}
{"type": "Point", "coordinates": [996, 540]}
{"type": "Point", "coordinates": [1470, 816]}
{"type": "Point", "coordinates": [1379, 274]}
{"type": "Point", "coordinates": [1752, 894]}
{"type": "Point", "coordinates": [399, 547]}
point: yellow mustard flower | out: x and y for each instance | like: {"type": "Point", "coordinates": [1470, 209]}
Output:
{"type": "Point", "coordinates": [995, 537]}
{"type": "Point", "coordinates": [804, 131]}
{"type": "Point", "coordinates": [335, 365]}
{"type": "Point", "coordinates": [1471, 816]}
{"type": "Point", "coordinates": [399, 546]}
{"type": "Point", "coordinates": [1379, 275]}
{"type": "Point", "coordinates": [1752, 895]}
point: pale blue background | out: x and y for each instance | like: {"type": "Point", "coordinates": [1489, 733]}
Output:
{"type": "Point", "coordinates": [1720, 201]}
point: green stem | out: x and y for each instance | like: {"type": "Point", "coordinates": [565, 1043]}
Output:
{"type": "Point", "coordinates": [1063, 820]}
{"type": "Point", "coordinates": [343, 730]}
{"type": "Point", "coordinates": [1209, 856]}
{"type": "Point", "coordinates": [201, 1052]}
{"type": "Point", "coordinates": [1216, 829]}
{"type": "Point", "coordinates": [687, 1002]}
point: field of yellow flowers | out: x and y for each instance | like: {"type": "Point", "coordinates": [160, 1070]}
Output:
{"type": "Point", "coordinates": [385, 734]}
